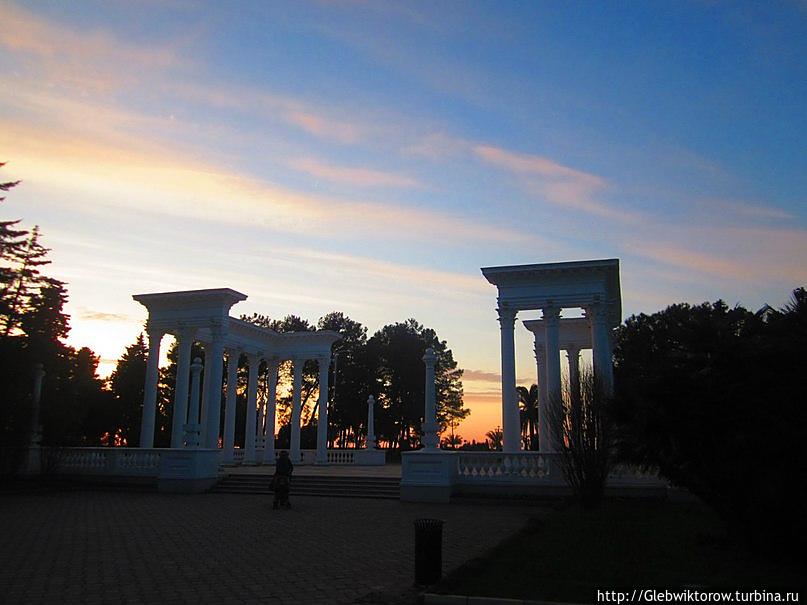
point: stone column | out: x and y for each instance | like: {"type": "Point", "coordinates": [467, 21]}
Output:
{"type": "Point", "coordinates": [431, 438]}
{"type": "Point", "coordinates": [269, 448]}
{"type": "Point", "coordinates": [510, 421]}
{"type": "Point", "coordinates": [322, 415]}
{"type": "Point", "coordinates": [553, 384]}
{"type": "Point", "coordinates": [36, 427]}
{"type": "Point", "coordinates": [573, 354]}
{"type": "Point", "coordinates": [229, 410]}
{"type": "Point", "coordinates": [544, 436]}
{"type": "Point", "coordinates": [150, 390]}
{"type": "Point", "coordinates": [296, 411]}
{"type": "Point", "coordinates": [184, 342]}
{"type": "Point", "coordinates": [252, 400]}
{"type": "Point", "coordinates": [213, 390]}
{"type": "Point", "coordinates": [205, 384]}
{"type": "Point", "coordinates": [192, 428]}
{"type": "Point", "coordinates": [601, 345]}
{"type": "Point", "coordinates": [370, 444]}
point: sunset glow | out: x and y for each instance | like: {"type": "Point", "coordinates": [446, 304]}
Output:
{"type": "Point", "coordinates": [370, 157]}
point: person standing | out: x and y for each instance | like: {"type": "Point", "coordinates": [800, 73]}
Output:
{"type": "Point", "coordinates": [281, 482]}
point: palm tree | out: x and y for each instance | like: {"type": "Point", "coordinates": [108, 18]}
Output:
{"type": "Point", "coordinates": [495, 438]}
{"type": "Point", "coordinates": [528, 401]}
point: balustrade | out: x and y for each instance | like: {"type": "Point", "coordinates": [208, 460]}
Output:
{"type": "Point", "coordinates": [108, 461]}
{"type": "Point", "coordinates": [501, 466]}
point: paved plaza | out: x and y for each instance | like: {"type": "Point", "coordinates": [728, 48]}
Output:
{"type": "Point", "coordinates": [129, 547]}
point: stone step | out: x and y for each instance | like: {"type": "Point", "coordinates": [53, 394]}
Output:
{"type": "Point", "coordinates": [339, 487]}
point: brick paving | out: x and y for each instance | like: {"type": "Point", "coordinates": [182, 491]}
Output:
{"type": "Point", "coordinates": [106, 547]}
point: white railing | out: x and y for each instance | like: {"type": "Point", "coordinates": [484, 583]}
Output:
{"type": "Point", "coordinates": [624, 475]}
{"type": "Point", "coordinates": [491, 467]}
{"type": "Point", "coordinates": [341, 456]}
{"type": "Point", "coordinates": [335, 456]}
{"type": "Point", "coordinates": [123, 461]}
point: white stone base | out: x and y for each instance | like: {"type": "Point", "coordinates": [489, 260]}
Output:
{"type": "Point", "coordinates": [188, 471]}
{"type": "Point", "coordinates": [428, 476]}
{"type": "Point", "coordinates": [372, 457]}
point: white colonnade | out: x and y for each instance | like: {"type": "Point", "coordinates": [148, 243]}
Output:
{"type": "Point", "coordinates": [203, 316]}
{"type": "Point", "coordinates": [550, 288]}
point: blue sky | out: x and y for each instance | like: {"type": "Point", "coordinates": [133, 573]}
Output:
{"type": "Point", "coordinates": [370, 157]}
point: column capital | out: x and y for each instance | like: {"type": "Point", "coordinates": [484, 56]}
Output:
{"type": "Point", "coordinates": [217, 330]}
{"type": "Point", "coordinates": [572, 351]}
{"type": "Point", "coordinates": [507, 316]}
{"type": "Point", "coordinates": [185, 332]}
{"type": "Point", "coordinates": [429, 357]}
{"type": "Point", "coordinates": [551, 314]}
{"type": "Point", "coordinates": [597, 312]}
{"type": "Point", "coordinates": [233, 351]}
{"type": "Point", "coordinates": [273, 363]}
{"type": "Point", "coordinates": [154, 332]}
{"type": "Point", "coordinates": [253, 358]}
{"type": "Point", "coordinates": [540, 352]}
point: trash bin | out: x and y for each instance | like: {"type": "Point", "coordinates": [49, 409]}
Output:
{"type": "Point", "coordinates": [428, 551]}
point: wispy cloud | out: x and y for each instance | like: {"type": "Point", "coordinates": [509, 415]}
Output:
{"type": "Point", "coordinates": [764, 255]}
{"type": "Point", "coordinates": [92, 59]}
{"type": "Point", "coordinates": [187, 189]}
{"type": "Point", "coordinates": [101, 316]}
{"type": "Point", "coordinates": [482, 376]}
{"type": "Point", "coordinates": [559, 184]}
{"type": "Point", "coordinates": [744, 210]}
{"type": "Point", "coordinates": [357, 177]}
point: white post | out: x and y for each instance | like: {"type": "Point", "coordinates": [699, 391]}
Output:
{"type": "Point", "coordinates": [252, 399]}
{"type": "Point", "coordinates": [269, 448]}
{"type": "Point", "coordinates": [204, 391]}
{"type": "Point", "coordinates": [431, 439]}
{"type": "Point", "coordinates": [510, 420]}
{"type": "Point", "coordinates": [192, 429]}
{"type": "Point", "coordinates": [213, 390]}
{"type": "Point", "coordinates": [553, 384]}
{"type": "Point", "coordinates": [296, 411]}
{"type": "Point", "coordinates": [229, 410]}
{"type": "Point", "coordinates": [322, 414]}
{"type": "Point", "coordinates": [185, 341]}
{"type": "Point", "coordinates": [544, 432]}
{"type": "Point", "coordinates": [370, 445]}
{"type": "Point", "coordinates": [150, 391]}
{"type": "Point", "coordinates": [36, 427]}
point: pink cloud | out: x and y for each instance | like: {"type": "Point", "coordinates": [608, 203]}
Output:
{"type": "Point", "coordinates": [91, 59]}
{"type": "Point", "coordinates": [361, 177]}
{"type": "Point", "coordinates": [558, 184]}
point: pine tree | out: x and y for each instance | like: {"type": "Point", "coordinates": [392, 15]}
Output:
{"type": "Point", "coordinates": [26, 281]}
{"type": "Point", "coordinates": [12, 243]}
{"type": "Point", "coordinates": [127, 383]}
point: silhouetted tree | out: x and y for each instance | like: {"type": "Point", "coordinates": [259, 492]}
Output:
{"type": "Point", "coordinates": [351, 378]}
{"type": "Point", "coordinates": [495, 439]}
{"type": "Point", "coordinates": [396, 351]}
{"type": "Point", "coordinates": [714, 397]}
{"type": "Point", "coordinates": [33, 326]}
{"type": "Point", "coordinates": [528, 414]}
{"type": "Point", "coordinates": [127, 383]}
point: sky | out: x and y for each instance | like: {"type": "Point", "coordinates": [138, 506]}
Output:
{"type": "Point", "coordinates": [370, 157]}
